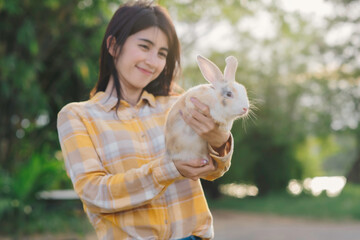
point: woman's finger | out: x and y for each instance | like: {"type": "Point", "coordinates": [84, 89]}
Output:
{"type": "Point", "coordinates": [199, 116]}
{"type": "Point", "coordinates": [192, 121]}
{"type": "Point", "coordinates": [201, 107]}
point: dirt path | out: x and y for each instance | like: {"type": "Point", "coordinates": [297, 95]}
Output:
{"type": "Point", "coordinates": [243, 226]}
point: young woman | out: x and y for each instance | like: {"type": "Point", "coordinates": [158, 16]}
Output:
{"type": "Point", "coordinates": [113, 144]}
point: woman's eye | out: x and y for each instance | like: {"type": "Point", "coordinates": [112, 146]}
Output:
{"type": "Point", "coordinates": [161, 54]}
{"type": "Point", "coordinates": [144, 47]}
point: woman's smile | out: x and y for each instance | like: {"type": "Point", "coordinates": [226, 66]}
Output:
{"type": "Point", "coordinates": [145, 71]}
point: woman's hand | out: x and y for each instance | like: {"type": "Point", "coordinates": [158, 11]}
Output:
{"type": "Point", "coordinates": [196, 168]}
{"type": "Point", "coordinates": [200, 120]}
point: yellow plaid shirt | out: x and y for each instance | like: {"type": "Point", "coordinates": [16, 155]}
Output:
{"type": "Point", "coordinates": [128, 188]}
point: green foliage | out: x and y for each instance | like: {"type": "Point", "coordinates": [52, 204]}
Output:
{"type": "Point", "coordinates": [313, 151]}
{"type": "Point", "coordinates": [292, 99]}
{"type": "Point", "coordinates": [264, 158]}
{"type": "Point", "coordinates": [19, 200]}
{"type": "Point", "coordinates": [47, 59]}
{"type": "Point", "coordinates": [37, 174]}
{"type": "Point", "coordinates": [49, 54]}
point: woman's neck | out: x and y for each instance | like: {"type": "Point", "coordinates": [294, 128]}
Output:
{"type": "Point", "coordinates": [131, 97]}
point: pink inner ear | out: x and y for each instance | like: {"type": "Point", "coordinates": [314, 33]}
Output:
{"type": "Point", "coordinates": [209, 70]}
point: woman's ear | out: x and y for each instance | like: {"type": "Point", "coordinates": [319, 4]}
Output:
{"type": "Point", "coordinates": [111, 45]}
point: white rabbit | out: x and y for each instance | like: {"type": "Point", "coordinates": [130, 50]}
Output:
{"type": "Point", "coordinates": [226, 99]}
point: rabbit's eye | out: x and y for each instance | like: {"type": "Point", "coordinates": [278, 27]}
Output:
{"type": "Point", "coordinates": [229, 94]}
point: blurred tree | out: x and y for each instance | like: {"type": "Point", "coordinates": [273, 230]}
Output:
{"type": "Point", "coordinates": [303, 85]}
{"type": "Point", "coordinates": [274, 69]}
{"type": "Point", "coordinates": [49, 54]}
{"type": "Point", "coordinates": [47, 59]}
{"type": "Point", "coordinates": [344, 50]}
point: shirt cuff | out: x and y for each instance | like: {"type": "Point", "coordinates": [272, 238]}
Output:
{"type": "Point", "coordinates": [228, 149]}
{"type": "Point", "coordinates": [165, 172]}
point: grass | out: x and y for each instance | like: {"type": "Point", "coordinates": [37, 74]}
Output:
{"type": "Point", "coordinates": [55, 218]}
{"type": "Point", "coordinates": [343, 207]}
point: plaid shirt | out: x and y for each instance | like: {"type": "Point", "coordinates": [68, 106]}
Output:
{"type": "Point", "coordinates": [117, 164]}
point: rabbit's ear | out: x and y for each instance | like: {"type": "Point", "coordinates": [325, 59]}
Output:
{"type": "Point", "coordinates": [230, 69]}
{"type": "Point", "coordinates": [209, 70]}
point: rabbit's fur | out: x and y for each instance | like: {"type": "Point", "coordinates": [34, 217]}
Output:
{"type": "Point", "coordinates": [226, 99]}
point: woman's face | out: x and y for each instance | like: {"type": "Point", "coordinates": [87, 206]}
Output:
{"type": "Point", "coordinates": [142, 59]}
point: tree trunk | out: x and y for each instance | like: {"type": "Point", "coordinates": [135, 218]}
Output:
{"type": "Point", "coordinates": [353, 175]}
{"type": "Point", "coordinates": [211, 189]}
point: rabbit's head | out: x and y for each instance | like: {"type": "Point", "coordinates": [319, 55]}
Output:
{"type": "Point", "coordinates": [231, 97]}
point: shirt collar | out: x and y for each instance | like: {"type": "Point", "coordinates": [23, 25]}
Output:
{"type": "Point", "coordinates": [148, 97]}
{"type": "Point", "coordinates": [108, 101]}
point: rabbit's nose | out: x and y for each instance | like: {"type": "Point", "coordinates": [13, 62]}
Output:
{"type": "Point", "coordinates": [245, 109]}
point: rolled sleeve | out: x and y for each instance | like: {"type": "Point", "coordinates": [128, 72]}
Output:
{"type": "Point", "coordinates": [222, 162]}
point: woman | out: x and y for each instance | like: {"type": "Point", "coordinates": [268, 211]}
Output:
{"type": "Point", "coordinates": [113, 144]}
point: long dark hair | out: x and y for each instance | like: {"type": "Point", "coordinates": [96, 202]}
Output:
{"type": "Point", "coordinates": [129, 19]}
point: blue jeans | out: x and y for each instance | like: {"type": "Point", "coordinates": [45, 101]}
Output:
{"type": "Point", "coordinates": [192, 237]}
